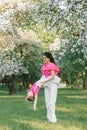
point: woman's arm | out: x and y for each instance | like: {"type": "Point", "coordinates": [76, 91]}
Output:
{"type": "Point", "coordinates": [51, 77]}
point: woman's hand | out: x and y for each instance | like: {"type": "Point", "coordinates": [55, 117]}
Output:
{"type": "Point", "coordinates": [42, 83]}
{"type": "Point", "coordinates": [34, 108]}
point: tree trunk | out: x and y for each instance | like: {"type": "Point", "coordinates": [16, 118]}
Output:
{"type": "Point", "coordinates": [85, 84]}
{"type": "Point", "coordinates": [20, 85]}
{"type": "Point", "coordinates": [12, 88]}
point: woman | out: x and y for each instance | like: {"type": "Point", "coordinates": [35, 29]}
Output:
{"type": "Point", "coordinates": [50, 69]}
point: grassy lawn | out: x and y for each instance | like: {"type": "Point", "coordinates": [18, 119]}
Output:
{"type": "Point", "coordinates": [16, 114]}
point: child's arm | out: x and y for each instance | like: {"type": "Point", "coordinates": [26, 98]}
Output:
{"type": "Point", "coordinates": [35, 103]}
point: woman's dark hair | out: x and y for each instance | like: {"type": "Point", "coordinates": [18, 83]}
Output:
{"type": "Point", "coordinates": [49, 55]}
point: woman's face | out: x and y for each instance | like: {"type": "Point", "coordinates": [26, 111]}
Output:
{"type": "Point", "coordinates": [46, 59]}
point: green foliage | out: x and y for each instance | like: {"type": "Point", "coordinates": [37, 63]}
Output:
{"type": "Point", "coordinates": [69, 19]}
{"type": "Point", "coordinates": [30, 54]}
{"type": "Point", "coordinates": [46, 37]}
{"type": "Point", "coordinates": [23, 58]}
{"type": "Point", "coordinates": [72, 60]}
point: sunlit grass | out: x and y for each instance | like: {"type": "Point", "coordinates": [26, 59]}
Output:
{"type": "Point", "coordinates": [3, 92]}
{"type": "Point", "coordinates": [16, 114]}
{"type": "Point", "coordinates": [77, 97]}
{"type": "Point", "coordinates": [17, 96]}
{"type": "Point", "coordinates": [63, 109]}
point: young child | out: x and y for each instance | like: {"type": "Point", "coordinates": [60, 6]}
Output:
{"type": "Point", "coordinates": [32, 94]}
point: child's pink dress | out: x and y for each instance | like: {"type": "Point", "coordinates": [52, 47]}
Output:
{"type": "Point", "coordinates": [35, 89]}
{"type": "Point", "coordinates": [46, 70]}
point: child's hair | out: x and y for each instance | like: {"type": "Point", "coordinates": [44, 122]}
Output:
{"type": "Point", "coordinates": [31, 98]}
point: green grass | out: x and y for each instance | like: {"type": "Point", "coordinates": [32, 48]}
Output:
{"type": "Point", "coordinates": [16, 114]}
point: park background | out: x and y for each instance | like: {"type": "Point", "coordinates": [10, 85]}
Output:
{"type": "Point", "coordinates": [28, 28]}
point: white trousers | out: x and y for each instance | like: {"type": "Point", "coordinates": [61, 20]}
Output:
{"type": "Point", "coordinates": [50, 100]}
